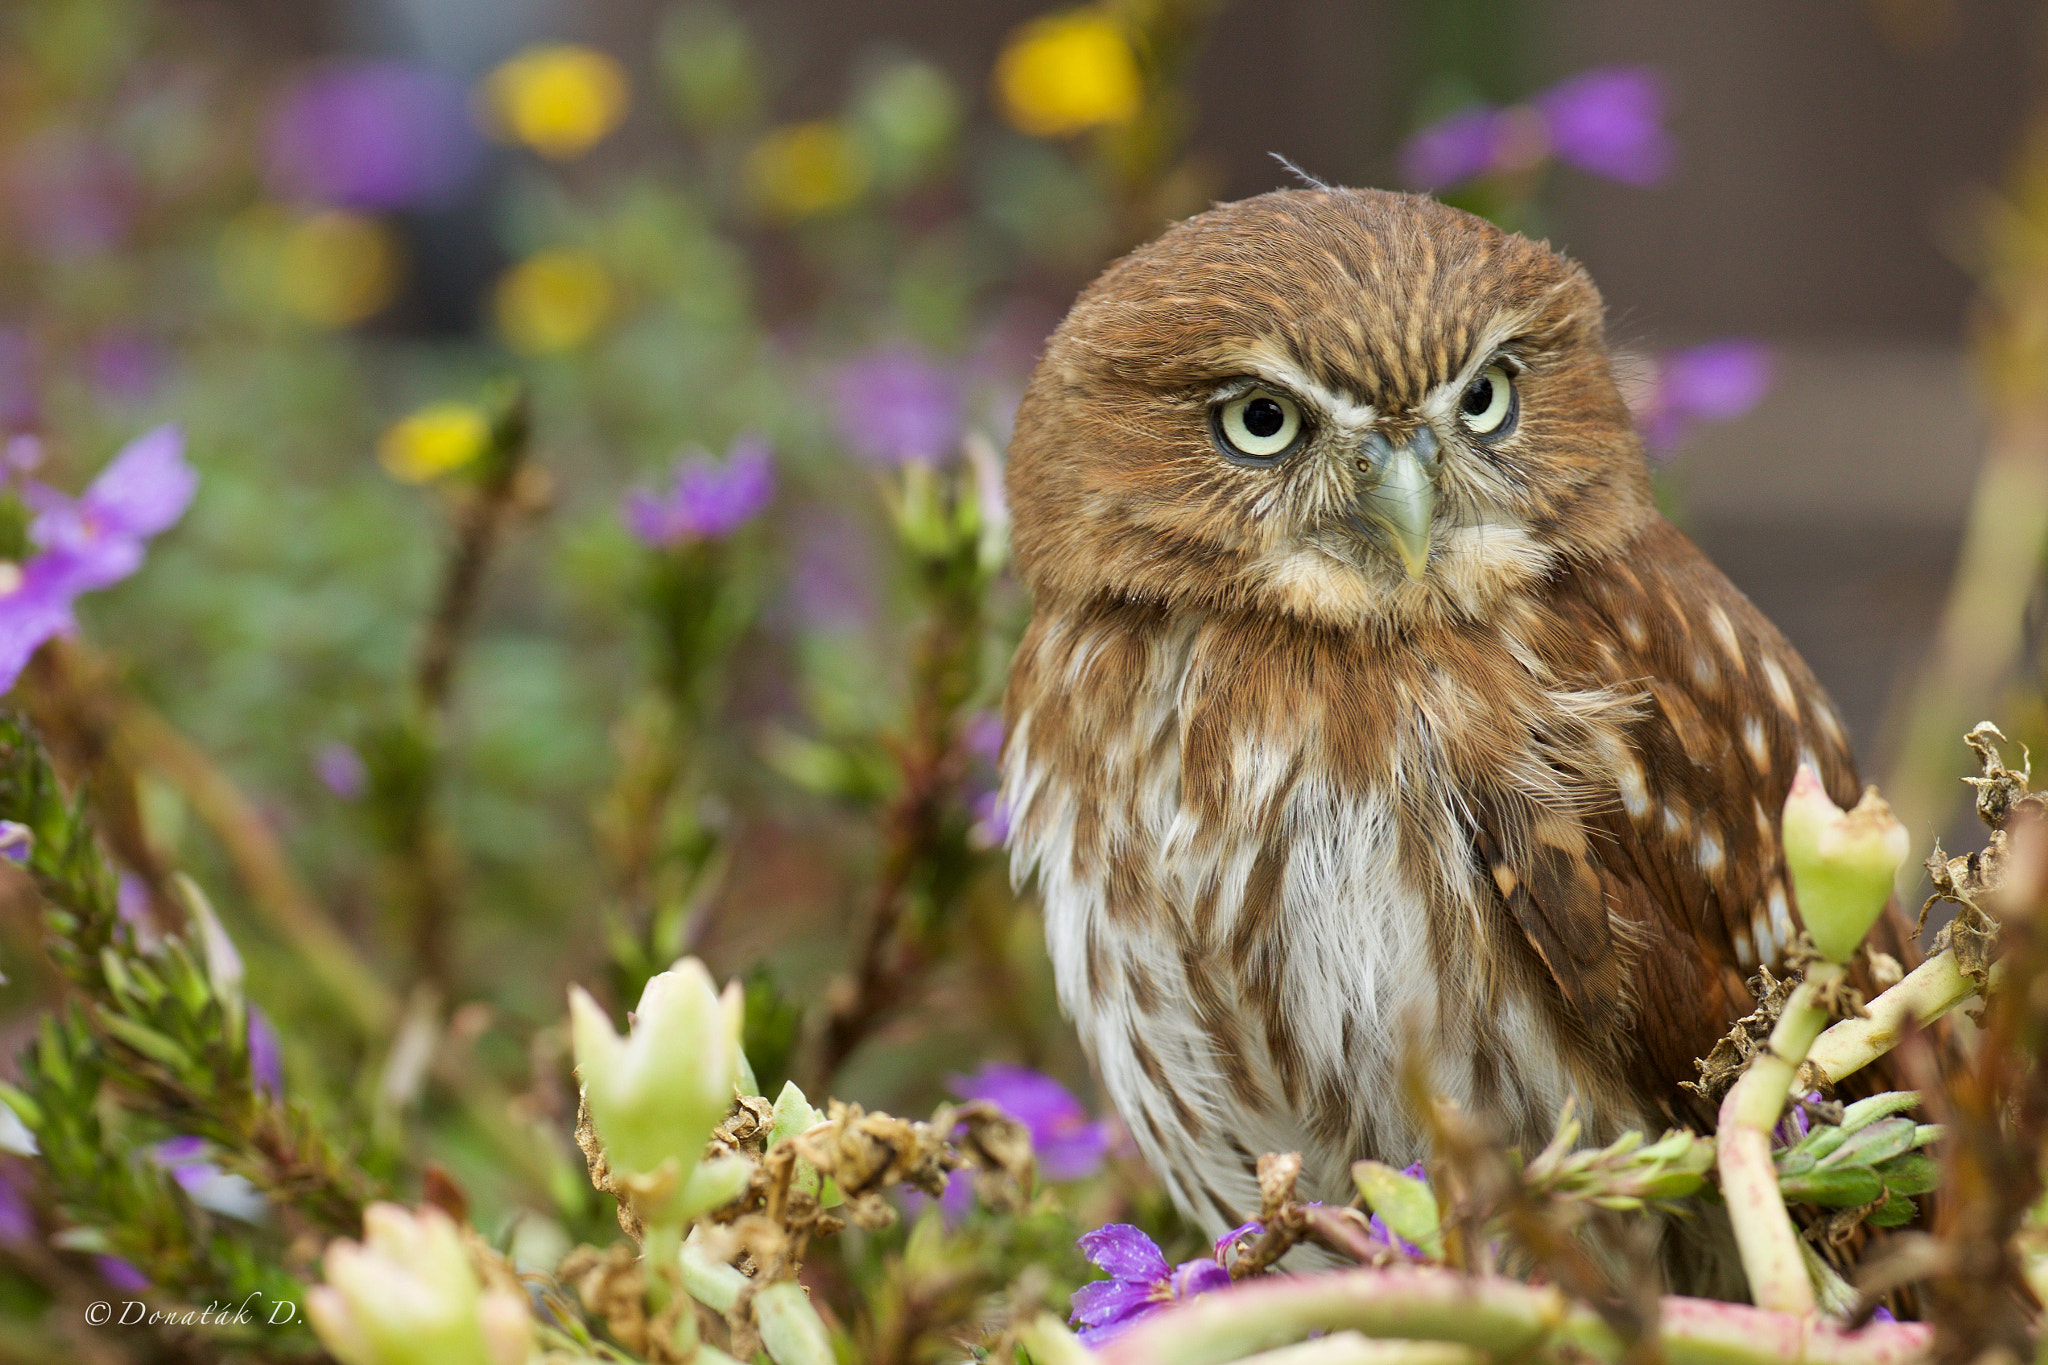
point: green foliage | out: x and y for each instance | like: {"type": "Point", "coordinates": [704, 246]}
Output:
{"type": "Point", "coordinates": [1871, 1158]}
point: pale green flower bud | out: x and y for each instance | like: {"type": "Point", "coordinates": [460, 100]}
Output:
{"type": "Point", "coordinates": [407, 1295]}
{"type": "Point", "coordinates": [656, 1094]}
{"type": "Point", "coordinates": [790, 1328]}
{"type": "Point", "coordinates": [733, 1001]}
{"type": "Point", "coordinates": [793, 1115]}
{"type": "Point", "coordinates": [1843, 862]}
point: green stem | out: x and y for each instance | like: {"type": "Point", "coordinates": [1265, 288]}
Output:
{"type": "Point", "coordinates": [1351, 1348]}
{"type": "Point", "coordinates": [1929, 991]}
{"type": "Point", "coordinates": [1764, 1234]}
{"type": "Point", "coordinates": [1509, 1319]}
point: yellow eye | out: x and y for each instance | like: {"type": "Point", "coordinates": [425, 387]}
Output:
{"type": "Point", "coordinates": [1261, 425]}
{"type": "Point", "coordinates": [1489, 403]}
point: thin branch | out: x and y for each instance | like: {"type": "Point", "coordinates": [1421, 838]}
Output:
{"type": "Point", "coordinates": [1511, 1320]}
{"type": "Point", "coordinates": [891, 961]}
{"type": "Point", "coordinates": [1928, 992]}
{"type": "Point", "coordinates": [1764, 1235]}
{"type": "Point", "coordinates": [421, 847]}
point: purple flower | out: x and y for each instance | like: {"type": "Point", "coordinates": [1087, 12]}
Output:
{"type": "Point", "coordinates": [1610, 121]}
{"type": "Point", "coordinates": [705, 500]}
{"type": "Point", "coordinates": [90, 543]}
{"type": "Point", "coordinates": [1795, 1125]}
{"type": "Point", "coordinates": [17, 841]}
{"type": "Point", "coordinates": [895, 405]}
{"type": "Point", "coordinates": [1716, 382]}
{"type": "Point", "coordinates": [1140, 1282]}
{"type": "Point", "coordinates": [121, 1275]}
{"type": "Point", "coordinates": [340, 769]}
{"type": "Point", "coordinates": [373, 135]}
{"type": "Point", "coordinates": [188, 1161]}
{"type": "Point", "coordinates": [266, 1057]}
{"type": "Point", "coordinates": [1068, 1144]}
{"type": "Point", "coordinates": [1451, 150]}
{"type": "Point", "coordinates": [991, 819]}
{"type": "Point", "coordinates": [1227, 1243]}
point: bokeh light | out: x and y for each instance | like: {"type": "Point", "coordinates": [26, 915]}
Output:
{"type": "Point", "coordinates": [1067, 73]}
{"type": "Point", "coordinates": [807, 168]}
{"type": "Point", "coordinates": [433, 441]}
{"type": "Point", "coordinates": [560, 99]}
{"type": "Point", "coordinates": [553, 301]}
{"type": "Point", "coordinates": [337, 268]}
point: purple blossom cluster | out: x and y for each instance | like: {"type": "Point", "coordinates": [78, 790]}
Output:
{"type": "Point", "coordinates": [90, 542]}
{"type": "Point", "coordinates": [1715, 382]}
{"type": "Point", "coordinates": [1609, 121]}
{"type": "Point", "coordinates": [373, 135]}
{"type": "Point", "coordinates": [896, 405]}
{"type": "Point", "coordinates": [705, 500]}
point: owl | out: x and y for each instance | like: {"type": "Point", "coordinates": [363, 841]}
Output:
{"type": "Point", "coordinates": [1369, 704]}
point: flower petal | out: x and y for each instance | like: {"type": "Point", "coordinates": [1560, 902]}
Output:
{"type": "Point", "coordinates": [1125, 1252]}
{"type": "Point", "coordinates": [1610, 121]}
{"type": "Point", "coordinates": [1201, 1276]}
{"type": "Point", "coordinates": [1452, 150]}
{"type": "Point", "coordinates": [1105, 1301]}
{"type": "Point", "coordinates": [146, 488]}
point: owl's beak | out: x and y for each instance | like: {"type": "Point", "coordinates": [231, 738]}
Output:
{"type": "Point", "coordinates": [1402, 497]}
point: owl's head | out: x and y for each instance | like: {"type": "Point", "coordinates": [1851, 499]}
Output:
{"type": "Point", "coordinates": [1346, 405]}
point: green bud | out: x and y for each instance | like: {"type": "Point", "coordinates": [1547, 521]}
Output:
{"type": "Point", "coordinates": [709, 1280]}
{"type": "Point", "coordinates": [793, 1114]}
{"type": "Point", "coordinates": [407, 1295]}
{"type": "Point", "coordinates": [733, 1001]}
{"type": "Point", "coordinates": [656, 1094]}
{"type": "Point", "coordinates": [790, 1327]}
{"type": "Point", "coordinates": [1843, 862]}
{"type": "Point", "coordinates": [1402, 1202]}
{"type": "Point", "coordinates": [715, 1183]}
{"type": "Point", "coordinates": [1865, 1112]}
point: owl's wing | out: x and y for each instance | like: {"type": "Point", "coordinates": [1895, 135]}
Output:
{"type": "Point", "coordinates": [1667, 891]}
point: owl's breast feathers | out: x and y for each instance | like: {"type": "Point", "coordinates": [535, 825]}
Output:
{"type": "Point", "coordinates": [1271, 851]}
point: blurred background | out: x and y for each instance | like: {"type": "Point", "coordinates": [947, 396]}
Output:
{"type": "Point", "coordinates": [597, 410]}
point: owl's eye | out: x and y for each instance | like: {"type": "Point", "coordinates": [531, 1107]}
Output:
{"type": "Point", "coordinates": [1261, 425]}
{"type": "Point", "coordinates": [1489, 404]}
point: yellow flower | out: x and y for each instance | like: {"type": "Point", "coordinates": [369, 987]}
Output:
{"type": "Point", "coordinates": [337, 268]}
{"type": "Point", "coordinates": [434, 440]}
{"type": "Point", "coordinates": [553, 301]}
{"type": "Point", "coordinates": [557, 98]}
{"type": "Point", "coordinates": [1065, 73]}
{"type": "Point", "coordinates": [807, 168]}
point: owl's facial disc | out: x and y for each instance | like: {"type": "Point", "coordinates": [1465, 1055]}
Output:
{"type": "Point", "coordinates": [1398, 492]}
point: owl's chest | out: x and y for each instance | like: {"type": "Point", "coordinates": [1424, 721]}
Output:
{"type": "Point", "coordinates": [1245, 931]}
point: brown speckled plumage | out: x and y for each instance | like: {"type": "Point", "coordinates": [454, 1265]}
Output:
{"type": "Point", "coordinates": [1290, 804]}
